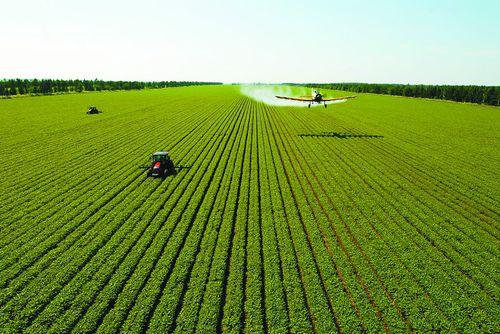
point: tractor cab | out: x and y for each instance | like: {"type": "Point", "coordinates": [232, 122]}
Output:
{"type": "Point", "coordinates": [160, 156]}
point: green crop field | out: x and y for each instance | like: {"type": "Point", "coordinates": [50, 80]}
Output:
{"type": "Point", "coordinates": [380, 214]}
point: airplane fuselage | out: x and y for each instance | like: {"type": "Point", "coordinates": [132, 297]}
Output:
{"type": "Point", "coordinates": [318, 98]}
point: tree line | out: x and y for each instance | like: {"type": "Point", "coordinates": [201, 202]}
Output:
{"type": "Point", "coordinates": [10, 87]}
{"type": "Point", "coordinates": [475, 94]}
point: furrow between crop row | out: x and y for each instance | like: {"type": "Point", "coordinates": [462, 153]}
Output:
{"type": "Point", "coordinates": [358, 167]}
{"type": "Point", "coordinates": [108, 271]}
{"type": "Point", "coordinates": [91, 242]}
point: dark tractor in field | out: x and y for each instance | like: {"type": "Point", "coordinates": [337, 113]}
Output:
{"type": "Point", "coordinates": [161, 165]}
{"type": "Point", "coordinates": [93, 110]}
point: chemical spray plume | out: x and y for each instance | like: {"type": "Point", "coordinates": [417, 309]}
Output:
{"type": "Point", "coordinates": [267, 94]}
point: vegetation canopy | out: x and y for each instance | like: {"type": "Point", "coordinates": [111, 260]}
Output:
{"type": "Point", "coordinates": [377, 215]}
{"type": "Point", "coordinates": [9, 87]}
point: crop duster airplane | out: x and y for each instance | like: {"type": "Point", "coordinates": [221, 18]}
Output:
{"type": "Point", "coordinates": [315, 97]}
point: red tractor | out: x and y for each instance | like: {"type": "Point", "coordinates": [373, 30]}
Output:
{"type": "Point", "coordinates": [161, 165]}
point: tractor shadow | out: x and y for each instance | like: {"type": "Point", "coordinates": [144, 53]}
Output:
{"type": "Point", "coordinates": [179, 168]}
{"type": "Point", "coordinates": [339, 135]}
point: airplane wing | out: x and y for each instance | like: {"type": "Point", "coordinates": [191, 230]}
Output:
{"type": "Point", "coordinates": [301, 99]}
{"type": "Point", "coordinates": [339, 98]}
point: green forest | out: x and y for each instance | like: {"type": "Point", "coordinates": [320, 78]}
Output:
{"type": "Point", "coordinates": [10, 87]}
{"type": "Point", "coordinates": [475, 94]}
{"type": "Point", "coordinates": [489, 95]}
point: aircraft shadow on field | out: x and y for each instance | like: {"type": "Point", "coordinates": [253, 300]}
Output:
{"type": "Point", "coordinates": [339, 135]}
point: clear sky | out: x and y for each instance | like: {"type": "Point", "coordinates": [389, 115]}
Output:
{"type": "Point", "coordinates": [436, 42]}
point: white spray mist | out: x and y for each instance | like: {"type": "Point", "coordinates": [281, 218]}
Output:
{"type": "Point", "coordinates": [267, 94]}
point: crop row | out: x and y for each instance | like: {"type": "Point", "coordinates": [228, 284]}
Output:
{"type": "Point", "coordinates": [360, 175]}
{"type": "Point", "coordinates": [264, 232]}
{"type": "Point", "coordinates": [99, 220]}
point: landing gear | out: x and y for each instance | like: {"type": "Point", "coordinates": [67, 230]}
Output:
{"type": "Point", "coordinates": [325, 105]}
{"type": "Point", "coordinates": [309, 106]}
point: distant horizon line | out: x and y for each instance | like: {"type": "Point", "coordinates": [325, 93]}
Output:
{"type": "Point", "coordinates": [263, 83]}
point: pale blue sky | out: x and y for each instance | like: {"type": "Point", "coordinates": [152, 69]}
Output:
{"type": "Point", "coordinates": [437, 42]}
